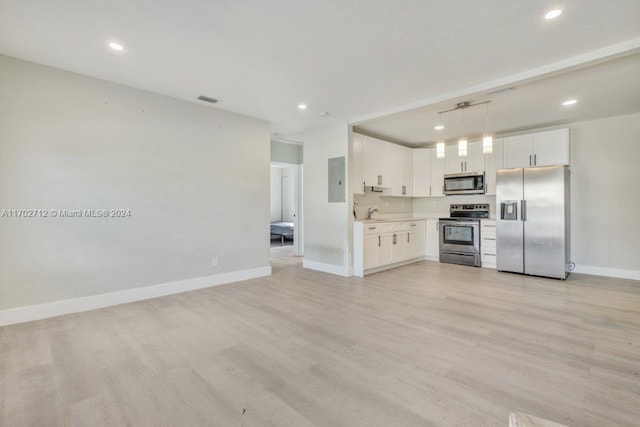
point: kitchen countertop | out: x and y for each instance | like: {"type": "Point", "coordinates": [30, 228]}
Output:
{"type": "Point", "coordinates": [377, 220]}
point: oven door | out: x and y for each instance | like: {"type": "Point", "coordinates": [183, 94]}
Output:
{"type": "Point", "coordinates": [460, 236]}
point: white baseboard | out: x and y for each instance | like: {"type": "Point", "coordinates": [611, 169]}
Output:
{"type": "Point", "coordinates": [58, 308]}
{"type": "Point", "coordinates": [339, 270]}
{"type": "Point", "coordinates": [609, 272]}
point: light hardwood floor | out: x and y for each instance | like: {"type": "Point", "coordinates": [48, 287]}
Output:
{"type": "Point", "coordinates": [424, 344]}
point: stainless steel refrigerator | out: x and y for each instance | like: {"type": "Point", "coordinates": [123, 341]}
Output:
{"type": "Point", "coordinates": [533, 221]}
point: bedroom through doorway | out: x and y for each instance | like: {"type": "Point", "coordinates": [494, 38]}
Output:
{"type": "Point", "coordinates": [285, 233]}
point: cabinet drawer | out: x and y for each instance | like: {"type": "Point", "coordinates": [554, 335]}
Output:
{"type": "Point", "coordinates": [398, 226]}
{"type": "Point", "coordinates": [420, 225]}
{"type": "Point", "coordinates": [488, 233]}
{"type": "Point", "coordinates": [372, 229]}
{"type": "Point", "coordinates": [488, 245]}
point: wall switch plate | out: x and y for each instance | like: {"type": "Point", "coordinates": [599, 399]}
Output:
{"type": "Point", "coordinates": [215, 261]}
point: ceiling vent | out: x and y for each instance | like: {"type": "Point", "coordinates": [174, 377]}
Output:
{"type": "Point", "coordinates": [504, 90]}
{"type": "Point", "coordinates": [207, 99]}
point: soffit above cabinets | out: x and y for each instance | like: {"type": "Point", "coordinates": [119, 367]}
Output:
{"type": "Point", "coordinates": [608, 89]}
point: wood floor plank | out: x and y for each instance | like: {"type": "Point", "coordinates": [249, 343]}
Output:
{"type": "Point", "coordinates": [424, 344]}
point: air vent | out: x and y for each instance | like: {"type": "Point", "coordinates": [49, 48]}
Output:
{"type": "Point", "coordinates": [505, 90]}
{"type": "Point", "coordinates": [207, 99]}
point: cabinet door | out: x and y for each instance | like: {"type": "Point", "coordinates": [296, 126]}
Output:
{"type": "Point", "coordinates": [422, 172]}
{"type": "Point", "coordinates": [370, 161]}
{"type": "Point", "coordinates": [399, 244]}
{"type": "Point", "coordinates": [433, 239]}
{"type": "Point", "coordinates": [437, 175]}
{"type": "Point", "coordinates": [384, 250]}
{"type": "Point", "coordinates": [406, 176]}
{"type": "Point", "coordinates": [412, 244]}
{"type": "Point", "coordinates": [355, 174]}
{"type": "Point", "coordinates": [518, 151]}
{"type": "Point", "coordinates": [493, 162]}
{"type": "Point", "coordinates": [390, 159]}
{"type": "Point", "coordinates": [399, 170]}
{"type": "Point", "coordinates": [551, 147]}
{"type": "Point", "coordinates": [371, 249]}
{"type": "Point", "coordinates": [474, 161]}
{"type": "Point", "coordinates": [453, 163]}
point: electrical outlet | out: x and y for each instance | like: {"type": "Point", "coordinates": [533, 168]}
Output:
{"type": "Point", "coordinates": [215, 261]}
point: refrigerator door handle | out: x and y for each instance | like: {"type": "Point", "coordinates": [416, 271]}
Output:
{"type": "Point", "coordinates": [523, 210]}
{"type": "Point", "coordinates": [502, 208]}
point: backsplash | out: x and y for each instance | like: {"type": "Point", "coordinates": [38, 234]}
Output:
{"type": "Point", "coordinates": [439, 206]}
{"type": "Point", "coordinates": [387, 206]}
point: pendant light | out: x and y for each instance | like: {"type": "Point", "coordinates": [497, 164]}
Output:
{"type": "Point", "coordinates": [462, 141]}
{"type": "Point", "coordinates": [440, 150]}
{"type": "Point", "coordinates": [487, 138]}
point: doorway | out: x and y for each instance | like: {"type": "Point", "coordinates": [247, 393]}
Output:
{"type": "Point", "coordinates": [286, 210]}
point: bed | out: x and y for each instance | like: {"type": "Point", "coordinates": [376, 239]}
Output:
{"type": "Point", "coordinates": [282, 230]}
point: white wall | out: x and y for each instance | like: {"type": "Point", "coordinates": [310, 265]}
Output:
{"type": "Point", "coordinates": [286, 153]}
{"type": "Point", "coordinates": [194, 177]}
{"type": "Point", "coordinates": [326, 225]}
{"type": "Point", "coordinates": [276, 193]}
{"type": "Point", "coordinates": [605, 193]}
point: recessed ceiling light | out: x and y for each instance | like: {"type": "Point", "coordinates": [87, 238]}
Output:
{"type": "Point", "coordinates": [302, 106]}
{"type": "Point", "coordinates": [553, 14]}
{"type": "Point", "coordinates": [116, 46]}
{"type": "Point", "coordinates": [438, 127]}
{"type": "Point", "coordinates": [569, 102]}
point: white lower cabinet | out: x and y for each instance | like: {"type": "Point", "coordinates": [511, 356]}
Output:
{"type": "Point", "coordinates": [488, 243]}
{"type": "Point", "coordinates": [433, 240]}
{"type": "Point", "coordinates": [381, 245]}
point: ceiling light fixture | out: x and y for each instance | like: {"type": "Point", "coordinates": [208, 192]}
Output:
{"type": "Point", "coordinates": [440, 150]}
{"type": "Point", "coordinates": [462, 141]}
{"type": "Point", "coordinates": [553, 14]}
{"type": "Point", "coordinates": [487, 138]}
{"type": "Point", "coordinates": [439, 125]}
{"type": "Point", "coordinates": [569, 102]}
{"type": "Point", "coordinates": [302, 106]}
{"type": "Point", "coordinates": [116, 46]}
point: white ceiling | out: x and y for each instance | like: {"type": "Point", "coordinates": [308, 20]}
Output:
{"type": "Point", "coordinates": [607, 89]}
{"type": "Point", "coordinates": [348, 57]}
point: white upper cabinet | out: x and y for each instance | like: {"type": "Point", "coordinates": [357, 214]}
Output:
{"type": "Point", "coordinates": [537, 149]}
{"type": "Point", "coordinates": [452, 163]}
{"type": "Point", "coordinates": [551, 147]}
{"type": "Point", "coordinates": [518, 151]}
{"type": "Point", "coordinates": [371, 159]}
{"type": "Point", "coordinates": [422, 172]}
{"type": "Point", "coordinates": [472, 162]}
{"type": "Point", "coordinates": [355, 162]}
{"type": "Point", "coordinates": [437, 174]}
{"type": "Point", "coordinates": [493, 162]}
{"type": "Point", "coordinates": [401, 170]}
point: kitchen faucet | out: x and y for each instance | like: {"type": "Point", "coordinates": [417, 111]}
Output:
{"type": "Point", "coordinates": [370, 212]}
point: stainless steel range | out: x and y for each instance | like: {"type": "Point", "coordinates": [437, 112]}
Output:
{"type": "Point", "coordinates": [460, 234]}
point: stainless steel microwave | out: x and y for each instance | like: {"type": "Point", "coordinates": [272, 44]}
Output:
{"type": "Point", "coordinates": [464, 183]}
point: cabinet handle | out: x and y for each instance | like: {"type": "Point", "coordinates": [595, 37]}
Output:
{"type": "Point", "coordinates": [529, 159]}
{"type": "Point", "coordinates": [372, 228]}
{"type": "Point", "coordinates": [395, 239]}
{"type": "Point", "coordinates": [408, 237]}
{"type": "Point", "coordinates": [535, 160]}
{"type": "Point", "coordinates": [378, 241]}
{"type": "Point", "coordinates": [461, 167]}
{"type": "Point", "coordinates": [414, 225]}
{"type": "Point", "coordinates": [437, 225]}
{"type": "Point", "coordinates": [404, 190]}
{"type": "Point", "coordinates": [429, 190]}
